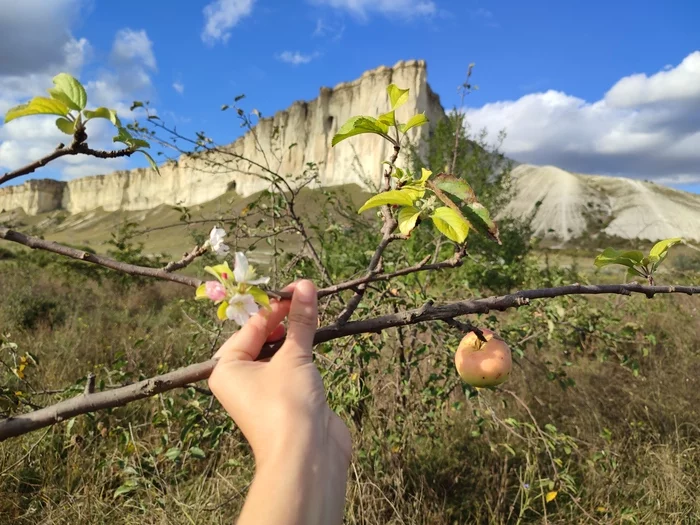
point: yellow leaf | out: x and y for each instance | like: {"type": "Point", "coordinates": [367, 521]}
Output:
{"type": "Point", "coordinates": [601, 509]}
{"type": "Point", "coordinates": [402, 197]}
{"type": "Point", "coordinates": [201, 292]}
{"type": "Point", "coordinates": [221, 312]}
{"type": "Point", "coordinates": [551, 496]}
{"type": "Point", "coordinates": [408, 215]}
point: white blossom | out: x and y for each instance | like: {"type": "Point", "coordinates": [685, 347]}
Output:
{"type": "Point", "coordinates": [240, 308]}
{"type": "Point", "coordinates": [216, 241]}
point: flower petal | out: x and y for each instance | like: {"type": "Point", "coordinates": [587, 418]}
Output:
{"type": "Point", "coordinates": [215, 291]}
{"type": "Point", "coordinates": [260, 280]}
{"type": "Point", "coordinates": [240, 271]}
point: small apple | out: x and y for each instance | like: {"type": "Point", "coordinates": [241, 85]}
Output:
{"type": "Point", "coordinates": [482, 364]}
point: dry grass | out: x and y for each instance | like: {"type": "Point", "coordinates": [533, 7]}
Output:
{"type": "Point", "coordinates": [623, 449]}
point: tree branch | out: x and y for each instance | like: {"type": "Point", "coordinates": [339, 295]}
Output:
{"type": "Point", "coordinates": [390, 224]}
{"type": "Point", "coordinates": [76, 148]}
{"type": "Point", "coordinates": [40, 244]}
{"type": "Point", "coordinates": [85, 403]}
{"type": "Point", "coordinates": [186, 260]}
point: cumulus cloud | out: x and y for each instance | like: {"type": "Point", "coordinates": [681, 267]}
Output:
{"type": "Point", "coordinates": [33, 35]}
{"type": "Point", "coordinates": [402, 8]}
{"type": "Point", "coordinates": [296, 58]}
{"type": "Point", "coordinates": [646, 126]}
{"type": "Point", "coordinates": [125, 77]}
{"type": "Point", "coordinates": [220, 16]}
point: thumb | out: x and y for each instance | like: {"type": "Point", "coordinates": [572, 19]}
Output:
{"type": "Point", "coordinates": [303, 321]}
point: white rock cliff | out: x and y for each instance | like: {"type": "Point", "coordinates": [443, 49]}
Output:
{"type": "Point", "coordinates": [308, 125]}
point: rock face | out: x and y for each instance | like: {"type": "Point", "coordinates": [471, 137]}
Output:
{"type": "Point", "coordinates": [34, 196]}
{"type": "Point", "coordinates": [285, 143]}
{"type": "Point", "coordinates": [573, 205]}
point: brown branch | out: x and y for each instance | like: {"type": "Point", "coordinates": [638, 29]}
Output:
{"type": "Point", "coordinates": [166, 273]}
{"type": "Point", "coordinates": [40, 244]}
{"type": "Point", "coordinates": [186, 260]}
{"type": "Point", "coordinates": [83, 404]}
{"type": "Point", "coordinates": [76, 148]}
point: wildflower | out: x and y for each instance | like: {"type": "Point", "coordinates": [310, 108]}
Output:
{"type": "Point", "coordinates": [235, 291]}
{"type": "Point", "coordinates": [216, 241]}
{"type": "Point", "coordinates": [239, 309]}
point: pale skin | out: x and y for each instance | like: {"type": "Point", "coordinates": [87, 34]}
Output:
{"type": "Point", "coordinates": [301, 448]}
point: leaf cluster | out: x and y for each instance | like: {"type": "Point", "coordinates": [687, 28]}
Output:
{"type": "Point", "coordinates": [68, 100]}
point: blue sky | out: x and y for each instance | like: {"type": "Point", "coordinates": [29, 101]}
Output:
{"type": "Point", "coordinates": [559, 76]}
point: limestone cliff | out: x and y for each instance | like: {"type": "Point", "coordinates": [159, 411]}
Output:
{"type": "Point", "coordinates": [285, 142]}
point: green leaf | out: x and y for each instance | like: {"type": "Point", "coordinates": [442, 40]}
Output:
{"type": "Point", "coordinates": [173, 453]}
{"type": "Point", "coordinates": [197, 452]}
{"type": "Point", "coordinates": [408, 216]}
{"type": "Point", "coordinates": [65, 125]}
{"type": "Point", "coordinates": [128, 486]}
{"type": "Point", "coordinates": [451, 224]}
{"type": "Point", "coordinates": [415, 191]}
{"type": "Point", "coordinates": [415, 120]}
{"type": "Point", "coordinates": [397, 96]}
{"type": "Point", "coordinates": [425, 175]}
{"type": "Point", "coordinates": [105, 113]}
{"type": "Point", "coordinates": [360, 125]}
{"type": "Point", "coordinates": [388, 118]}
{"type": "Point", "coordinates": [609, 256]}
{"type": "Point", "coordinates": [260, 296]}
{"type": "Point", "coordinates": [123, 136]}
{"type": "Point", "coordinates": [37, 106]}
{"type": "Point", "coordinates": [633, 272]}
{"type": "Point", "coordinates": [455, 186]}
{"type": "Point", "coordinates": [72, 89]}
{"type": "Point", "coordinates": [662, 246]}
{"type": "Point", "coordinates": [402, 197]}
{"type": "Point", "coordinates": [138, 143]}
{"type": "Point", "coordinates": [658, 253]}
{"type": "Point", "coordinates": [150, 160]}
{"type": "Point", "coordinates": [480, 221]}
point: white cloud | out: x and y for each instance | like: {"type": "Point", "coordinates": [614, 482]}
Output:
{"type": "Point", "coordinates": [221, 15]}
{"type": "Point", "coordinates": [179, 87]}
{"type": "Point", "coordinates": [646, 127]}
{"type": "Point", "coordinates": [331, 29]}
{"type": "Point", "coordinates": [296, 58]}
{"type": "Point", "coordinates": [133, 47]}
{"type": "Point", "coordinates": [400, 8]}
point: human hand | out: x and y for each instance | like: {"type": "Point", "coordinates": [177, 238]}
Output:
{"type": "Point", "coordinates": [302, 449]}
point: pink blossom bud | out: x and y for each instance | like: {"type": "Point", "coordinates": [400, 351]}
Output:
{"type": "Point", "coordinates": [215, 291]}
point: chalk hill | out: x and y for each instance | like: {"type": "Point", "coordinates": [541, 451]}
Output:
{"type": "Point", "coordinates": [571, 205]}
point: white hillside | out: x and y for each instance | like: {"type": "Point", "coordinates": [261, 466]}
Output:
{"type": "Point", "coordinates": [574, 205]}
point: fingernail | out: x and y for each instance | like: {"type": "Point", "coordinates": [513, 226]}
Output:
{"type": "Point", "coordinates": [305, 292]}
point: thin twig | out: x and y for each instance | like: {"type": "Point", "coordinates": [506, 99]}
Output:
{"type": "Point", "coordinates": [40, 244]}
{"type": "Point", "coordinates": [76, 148]}
{"type": "Point", "coordinates": [187, 259]}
